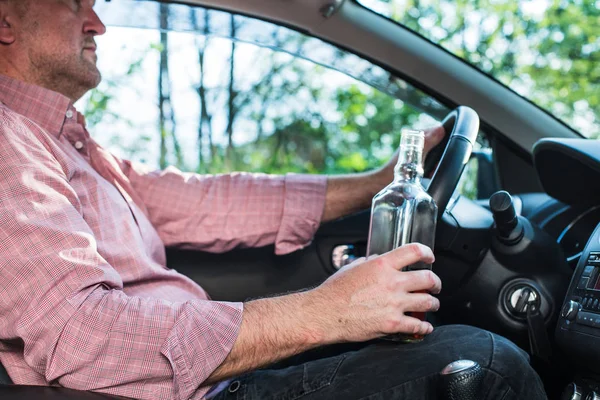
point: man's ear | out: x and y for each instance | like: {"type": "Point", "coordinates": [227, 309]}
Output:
{"type": "Point", "coordinates": [7, 33]}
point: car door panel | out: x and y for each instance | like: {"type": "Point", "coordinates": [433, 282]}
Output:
{"type": "Point", "coordinates": [249, 273]}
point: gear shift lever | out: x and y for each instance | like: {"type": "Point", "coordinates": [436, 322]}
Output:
{"type": "Point", "coordinates": [461, 380]}
{"type": "Point", "coordinates": [509, 227]}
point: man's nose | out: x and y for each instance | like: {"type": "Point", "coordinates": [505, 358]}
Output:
{"type": "Point", "coordinates": [93, 24]}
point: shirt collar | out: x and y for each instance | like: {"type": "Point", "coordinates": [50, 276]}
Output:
{"type": "Point", "coordinates": [45, 107]}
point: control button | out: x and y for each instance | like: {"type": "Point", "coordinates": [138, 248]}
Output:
{"type": "Point", "coordinates": [584, 302]}
{"type": "Point", "coordinates": [571, 392]}
{"type": "Point", "coordinates": [587, 271]}
{"type": "Point", "coordinates": [588, 319]}
{"type": "Point", "coordinates": [595, 304]}
{"type": "Point", "coordinates": [594, 259]}
{"type": "Point", "coordinates": [592, 396]}
{"type": "Point", "coordinates": [234, 386]}
{"type": "Point", "coordinates": [583, 282]}
{"type": "Point", "coordinates": [570, 310]}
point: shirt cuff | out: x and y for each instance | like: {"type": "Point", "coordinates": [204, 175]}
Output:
{"type": "Point", "coordinates": [199, 342]}
{"type": "Point", "coordinates": [302, 211]}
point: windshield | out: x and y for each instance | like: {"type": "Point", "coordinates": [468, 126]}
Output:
{"type": "Point", "coordinates": [547, 51]}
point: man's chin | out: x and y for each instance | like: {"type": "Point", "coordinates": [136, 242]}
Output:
{"type": "Point", "coordinates": [84, 83]}
{"type": "Point", "coordinates": [93, 76]}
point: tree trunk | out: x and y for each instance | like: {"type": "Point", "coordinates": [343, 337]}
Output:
{"type": "Point", "coordinates": [167, 122]}
{"type": "Point", "coordinates": [231, 109]}
{"type": "Point", "coordinates": [205, 118]}
{"type": "Point", "coordinates": [161, 96]}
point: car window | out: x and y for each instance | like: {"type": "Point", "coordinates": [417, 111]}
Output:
{"type": "Point", "coordinates": [213, 92]}
{"type": "Point", "coordinates": [547, 51]}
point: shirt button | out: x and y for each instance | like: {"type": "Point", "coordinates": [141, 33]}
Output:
{"type": "Point", "coordinates": [69, 114]}
{"type": "Point", "coordinates": [78, 145]}
{"type": "Point", "coordinates": [234, 386]}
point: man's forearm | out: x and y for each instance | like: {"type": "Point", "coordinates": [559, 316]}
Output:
{"type": "Point", "coordinates": [272, 329]}
{"type": "Point", "coordinates": [350, 193]}
{"type": "Point", "coordinates": [362, 301]}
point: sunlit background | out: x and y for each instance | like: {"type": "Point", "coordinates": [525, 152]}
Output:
{"type": "Point", "coordinates": [211, 92]}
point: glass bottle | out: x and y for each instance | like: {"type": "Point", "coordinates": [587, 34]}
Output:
{"type": "Point", "coordinates": [403, 212]}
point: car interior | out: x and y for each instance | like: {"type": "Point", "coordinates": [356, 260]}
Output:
{"type": "Point", "coordinates": [521, 260]}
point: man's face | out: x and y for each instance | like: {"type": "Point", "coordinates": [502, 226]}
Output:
{"type": "Point", "coordinates": [57, 37]}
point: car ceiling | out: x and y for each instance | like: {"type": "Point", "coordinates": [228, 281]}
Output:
{"type": "Point", "coordinates": [349, 25]}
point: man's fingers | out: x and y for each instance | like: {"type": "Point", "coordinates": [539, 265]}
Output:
{"type": "Point", "coordinates": [408, 255]}
{"type": "Point", "coordinates": [420, 281]}
{"type": "Point", "coordinates": [415, 326]}
{"type": "Point", "coordinates": [433, 137]}
{"type": "Point", "coordinates": [421, 302]}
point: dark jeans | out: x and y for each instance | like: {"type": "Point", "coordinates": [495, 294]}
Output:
{"type": "Point", "coordinates": [389, 370]}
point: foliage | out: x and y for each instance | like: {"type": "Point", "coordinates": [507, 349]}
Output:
{"type": "Point", "coordinates": [275, 112]}
{"type": "Point", "coordinates": [548, 51]}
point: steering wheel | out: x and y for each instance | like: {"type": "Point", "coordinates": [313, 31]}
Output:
{"type": "Point", "coordinates": [451, 155]}
{"type": "Point", "coordinates": [480, 273]}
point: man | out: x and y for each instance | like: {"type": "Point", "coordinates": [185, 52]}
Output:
{"type": "Point", "coordinates": [86, 300]}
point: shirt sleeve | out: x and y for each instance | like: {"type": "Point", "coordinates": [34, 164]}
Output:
{"type": "Point", "coordinates": [65, 305]}
{"type": "Point", "coordinates": [217, 213]}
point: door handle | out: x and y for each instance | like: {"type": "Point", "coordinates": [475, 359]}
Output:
{"type": "Point", "coordinates": [343, 254]}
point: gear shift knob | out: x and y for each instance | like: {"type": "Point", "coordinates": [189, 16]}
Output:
{"type": "Point", "coordinates": [508, 226]}
{"type": "Point", "coordinates": [461, 380]}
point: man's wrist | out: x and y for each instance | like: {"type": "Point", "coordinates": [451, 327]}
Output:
{"type": "Point", "coordinates": [351, 193]}
{"type": "Point", "coordinates": [314, 329]}
{"type": "Point", "coordinates": [301, 317]}
{"type": "Point", "coordinates": [273, 329]}
{"type": "Point", "coordinates": [375, 181]}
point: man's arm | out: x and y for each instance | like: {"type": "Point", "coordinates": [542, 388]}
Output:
{"type": "Point", "coordinates": [65, 316]}
{"type": "Point", "coordinates": [362, 301]}
{"type": "Point", "coordinates": [350, 193]}
{"type": "Point", "coordinates": [217, 213]}
{"type": "Point", "coordinates": [252, 210]}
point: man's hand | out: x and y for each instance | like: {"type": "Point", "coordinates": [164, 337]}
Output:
{"type": "Point", "coordinates": [433, 137]}
{"type": "Point", "coordinates": [369, 298]}
{"type": "Point", "coordinates": [350, 193]}
{"type": "Point", "coordinates": [364, 300]}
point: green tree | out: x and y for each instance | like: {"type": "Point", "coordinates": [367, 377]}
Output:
{"type": "Point", "coordinates": [302, 124]}
{"type": "Point", "coordinates": [550, 53]}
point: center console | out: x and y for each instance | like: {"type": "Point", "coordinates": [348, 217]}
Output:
{"type": "Point", "coordinates": [578, 328]}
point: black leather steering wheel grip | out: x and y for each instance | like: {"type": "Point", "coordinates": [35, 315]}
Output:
{"type": "Point", "coordinates": [461, 380]}
{"type": "Point", "coordinates": [451, 155]}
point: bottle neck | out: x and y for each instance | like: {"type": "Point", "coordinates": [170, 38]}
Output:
{"type": "Point", "coordinates": [409, 167]}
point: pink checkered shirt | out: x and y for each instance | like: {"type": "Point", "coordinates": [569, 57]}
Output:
{"type": "Point", "coordinates": [86, 300]}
